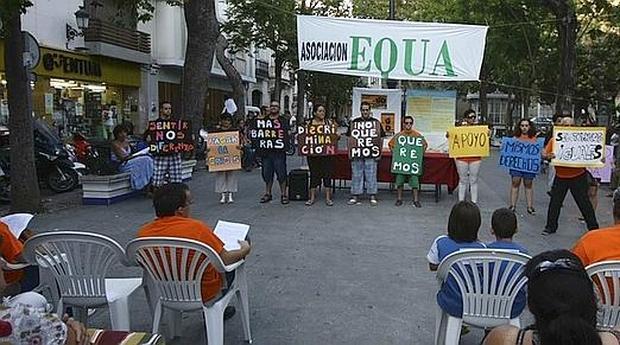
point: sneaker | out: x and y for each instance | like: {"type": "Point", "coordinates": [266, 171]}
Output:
{"type": "Point", "coordinates": [399, 203]}
{"type": "Point", "coordinates": [547, 232]}
{"type": "Point", "coordinates": [230, 198]}
{"type": "Point", "coordinates": [353, 201]}
{"type": "Point", "coordinates": [417, 204]}
{"type": "Point", "coordinates": [223, 198]}
{"type": "Point", "coordinates": [373, 201]}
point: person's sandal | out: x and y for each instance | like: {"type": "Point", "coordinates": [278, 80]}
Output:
{"type": "Point", "coordinates": [398, 203]}
{"type": "Point", "coordinates": [329, 202]}
{"type": "Point", "coordinates": [309, 202]}
{"type": "Point", "coordinates": [266, 198]}
{"type": "Point", "coordinates": [284, 199]}
{"type": "Point", "coordinates": [531, 210]}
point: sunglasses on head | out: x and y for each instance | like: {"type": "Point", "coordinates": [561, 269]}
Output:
{"type": "Point", "coordinates": [559, 264]}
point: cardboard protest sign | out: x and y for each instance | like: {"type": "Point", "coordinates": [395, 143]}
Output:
{"type": "Point", "coordinates": [365, 140]}
{"type": "Point", "coordinates": [268, 134]}
{"type": "Point", "coordinates": [317, 140]}
{"type": "Point", "coordinates": [579, 146]}
{"type": "Point", "coordinates": [468, 141]}
{"type": "Point", "coordinates": [169, 136]}
{"type": "Point", "coordinates": [521, 155]}
{"type": "Point", "coordinates": [224, 153]}
{"type": "Point", "coordinates": [407, 155]}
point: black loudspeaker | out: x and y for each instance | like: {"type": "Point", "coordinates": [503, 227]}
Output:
{"type": "Point", "coordinates": [298, 184]}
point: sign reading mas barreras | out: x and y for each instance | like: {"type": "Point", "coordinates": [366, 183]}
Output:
{"type": "Point", "coordinates": [394, 49]}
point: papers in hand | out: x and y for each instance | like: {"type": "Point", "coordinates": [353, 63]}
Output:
{"type": "Point", "coordinates": [142, 152]}
{"type": "Point", "coordinates": [231, 233]}
{"type": "Point", "coordinates": [17, 222]}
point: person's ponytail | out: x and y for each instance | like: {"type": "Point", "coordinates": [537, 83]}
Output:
{"type": "Point", "coordinates": [567, 329]}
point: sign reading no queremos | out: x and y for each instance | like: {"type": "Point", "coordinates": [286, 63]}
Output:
{"type": "Point", "coordinates": [390, 49]}
{"type": "Point", "coordinates": [468, 141]}
{"type": "Point", "coordinates": [317, 140]}
{"type": "Point", "coordinates": [224, 153]}
{"type": "Point", "coordinates": [365, 140]}
{"type": "Point", "coordinates": [579, 146]}
{"type": "Point", "coordinates": [407, 155]}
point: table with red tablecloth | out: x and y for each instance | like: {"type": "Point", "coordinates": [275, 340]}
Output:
{"type": "Point", "coordinates": [439, 169]}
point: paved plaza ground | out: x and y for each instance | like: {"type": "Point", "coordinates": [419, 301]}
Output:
{"type": "Point", "coordinates": [329, 275]}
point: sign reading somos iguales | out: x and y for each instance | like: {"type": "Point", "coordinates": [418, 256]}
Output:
{"type": "Point", "coordinates": [317, 140]}
{"type": "Point", "coordinates": [365, 140]}
{"type": "Point", "coordinates": [268, 134]}
{"type": "Point", "coordinates": [579, 146]}
{"type": "Point", "coordinates": [407, 155]}
{"type": "Point", "coordinates": [390, 49]}
{"type": "Point", "coordinates": [521, 155]}
{"type": "Point", "coordinates": [169, 136]}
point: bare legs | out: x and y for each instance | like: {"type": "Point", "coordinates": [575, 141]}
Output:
{"type": "Point", "coordinates": [529, 192]}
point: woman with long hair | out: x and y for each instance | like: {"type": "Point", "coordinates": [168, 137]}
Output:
{"type": "Point", "coordinates": [561, 297]}
{"type": "Point", "coordinates": [321, 167]}
{"type": "Point", "coordinates": [526, 132]}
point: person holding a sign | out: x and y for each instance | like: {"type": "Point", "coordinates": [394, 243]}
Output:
{"type": "Point", "coordinates": [526, 133]}
{"type": "Point", "coordinates": [570, 174]}
{"type": "Point", "coordinates": [408, 149]}
{"type": "Point", "coordinates": [224, 158]}
{"type": "Point", "coordinates": [318, 141]}
{"type": "Point", "coordinates": [365, 143]}
{"type": "Point", "coordinates": [166, 162]}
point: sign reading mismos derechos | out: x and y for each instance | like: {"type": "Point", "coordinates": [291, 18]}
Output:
{"type": "Point", "coordinates": [169, 136]}
{"type": "Point", "coordinates": [317, 140]}
{"type": "Point", "coordinates": [521, 155]}
{"type": "Point", "coordinates": [579, 146]}
{"type": "Point", "coordinates": [391, 49]}
{"type": "Point", "coordinates": [365, 140]}
{"type": "Point", "coordinates": [268, 134]}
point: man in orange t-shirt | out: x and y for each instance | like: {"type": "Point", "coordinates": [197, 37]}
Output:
{"type": "Point", "coordinates": [172, 202]}
{"type": "Point", "coordinates": [601, 245]}
{"type": "Point", "coordinates": [568, 178]}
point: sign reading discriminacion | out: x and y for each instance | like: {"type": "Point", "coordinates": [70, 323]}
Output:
{"type": "Point", "coordinates": [521, 155]}
{"type": "Point", "coordinates": [407, 155]}
{"type": "Point", "coordinates": [169, 136]}
{"type": "Point", "coordinates": [579, 146]}
{"type": "Point", "coordinates": [268, 134]}
{"type": "Point", "coordinates": [224, 153]}
{"type": "Point", "coordinates": [468, 141]}
{"type": "Point", "coordinates": [365, 140]}
{"type": "Point", "coordinates": [391, 49]}
{"type": "Point", "coordinates": [317, 140]}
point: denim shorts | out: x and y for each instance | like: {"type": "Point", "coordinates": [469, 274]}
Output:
{"type": "Point", "coordinates": [274, 162]}
{"type": "Point", "coordinates": [524, 175]}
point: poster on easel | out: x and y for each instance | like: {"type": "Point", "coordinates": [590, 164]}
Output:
{"type": "Point", "coordinates": [434, 112]}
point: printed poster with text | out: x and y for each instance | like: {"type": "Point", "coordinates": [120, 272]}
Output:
{"type": "Point", "coordinates": [434, 112]}
{"type": "Point", "coordinates": [224, 153]}
{"type": "Point", "coordinates": [579, 146]}
{"type": "Point", "coordinates": [468, 141]}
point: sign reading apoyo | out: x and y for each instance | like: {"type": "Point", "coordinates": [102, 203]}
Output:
{"type": "Point", "coordinates": [468, 141]}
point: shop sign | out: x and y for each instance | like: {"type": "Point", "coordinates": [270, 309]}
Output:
{"type": "Point", "coordinates": [71, 64]}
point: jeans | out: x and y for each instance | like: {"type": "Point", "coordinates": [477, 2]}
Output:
{"type": "Point", "coordinates": [468, 177]}
{"type": "Point", "coordinates": [579, 189]}
{"type": "Point", "coordinates": [364, 170]}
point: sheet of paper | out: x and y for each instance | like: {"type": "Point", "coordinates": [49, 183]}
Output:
{"type": "Point", "coordinates": [17, 222]}
{"type": "Point", "coordinates": [141, 152]}
{"type": "Point", "coordinates": [230, 233]}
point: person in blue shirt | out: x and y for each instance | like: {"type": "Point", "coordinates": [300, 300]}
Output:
{"type": "Point", "coordinates": [463, 225]}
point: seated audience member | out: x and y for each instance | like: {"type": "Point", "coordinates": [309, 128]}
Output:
{"type": "Point", "coordinates": [463, 225]}
{"type": "Point", "coordinates": [172, 208]}
{"type": "Point", "coordinates": [140, 167]}
{"type": "Point", "coordinates": [11, 251]}
{"type": "Point", "coordinates": [603, 244]}
{"type": "Point", "coordinates": [561, 297]}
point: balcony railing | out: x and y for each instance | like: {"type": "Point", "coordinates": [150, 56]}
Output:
{"type": "Point", "coordinates": [99, 31]}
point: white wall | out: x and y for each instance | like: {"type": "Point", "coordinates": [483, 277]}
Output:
{"type": "Point", "coordinates": [47, 20]}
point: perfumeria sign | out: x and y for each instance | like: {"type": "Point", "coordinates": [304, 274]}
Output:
{"type": "Point", "coordinates": [391, 49]}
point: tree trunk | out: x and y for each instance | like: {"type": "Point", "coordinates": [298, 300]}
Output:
{"type": "Point", "coordinates": [25, 195]}
{"type": "Point", "coordinates": [301, 96]}
{"type": "Point", "coordinates": [202, 33]}
{"type": "Point", "coordinates": [567, 37]}
{"type": "Point", "coordinates": [234, 77]}
{"type": "Point", "coordinates": [277, 88]}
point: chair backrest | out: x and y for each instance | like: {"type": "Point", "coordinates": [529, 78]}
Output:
{"type": "Point", "coordinates": [606, 278]}
{"type": "Point", "coordinates": [175, 266]}
{"type": "Point", "coordinates": [489, 280]}
{"type": "Point", "coordinates": [78, 260]}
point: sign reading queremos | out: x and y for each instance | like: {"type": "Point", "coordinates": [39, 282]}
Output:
{"type": "Point", "coordinates": [70, 64]}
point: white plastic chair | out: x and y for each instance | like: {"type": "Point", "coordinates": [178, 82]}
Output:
{"type": "Point", "coordinates": [79, 262]}
{"type": "Point", "coordinates": [606, 278]}
{"type": "Point", "coordinates": [487, 295]}
{"type": "Point", "coordinates": [177, 280]}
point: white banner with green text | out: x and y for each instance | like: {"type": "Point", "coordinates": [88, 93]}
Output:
{"type": "Point", "coordinates": [391, 49]}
